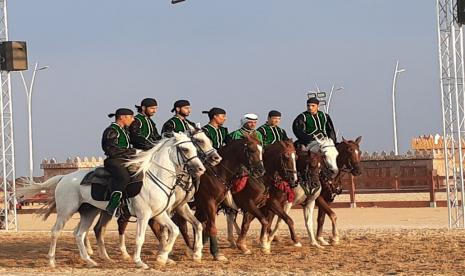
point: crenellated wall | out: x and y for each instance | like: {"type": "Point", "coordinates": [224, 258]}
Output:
{"type": "Point", "coordinates": [51, 167]}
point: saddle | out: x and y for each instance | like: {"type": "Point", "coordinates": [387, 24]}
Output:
{"type": "Point", "coordinates": [100, 180]}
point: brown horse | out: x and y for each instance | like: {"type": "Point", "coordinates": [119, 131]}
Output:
{"type": "Point", "coordinates": [308, 167]}
{"type": "Point", "coordinates": [348, 161]}
{"type": "Point", "coordinates": [214, 185]}
{"type": "Point", "coordinates": [281, 174]}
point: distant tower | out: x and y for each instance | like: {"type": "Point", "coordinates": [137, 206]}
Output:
{"type": "Point", "coordinates": [8, 219]}
{"type": "Point", "coordinates": [450, 43]}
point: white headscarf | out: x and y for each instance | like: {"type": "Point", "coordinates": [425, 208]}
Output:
{"type": "Point", "coordinates": [248, 117]}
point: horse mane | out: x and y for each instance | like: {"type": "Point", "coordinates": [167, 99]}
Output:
{"type": "Point", "coordinates": [143, 159]}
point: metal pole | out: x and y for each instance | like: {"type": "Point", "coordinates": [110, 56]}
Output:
{"type": "Point", "coordinates": [329, 99]}
{"type": "Point", "coordinates": [394, 123]}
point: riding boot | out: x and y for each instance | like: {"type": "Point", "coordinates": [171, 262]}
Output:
{"type": "Point", "coordinates": [114, 202]}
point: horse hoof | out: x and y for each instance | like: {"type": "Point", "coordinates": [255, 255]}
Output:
{"type": "Point", "coordinates": [170, 262]}
{"type": "Point", "coordinates": [317, 245]}
{"type": "Point", "coordinates": [297, 244]}
{"type": "Point", "coordinates": [91, 263]}
{"type": "Point", "coordinates": [246, 251]}
{"type": "Point", "coordinates": [141, 265]}
{"type": "Point", "coordinates": [90, 251]}
{"type": "Point", "coordinates": [161, 261]}
{"type": "Point", "coordinates": [189, 252]}
{"type": "Point", "coordinates": [276, 239]}
{"type": "Point", "coordinates": [323, 241]}
{"type": "Point", "coordinates": [266, 251]}
{"type": "Point", "coordinates": [335, 241]}
{"type": "Point", "coordinates": [232, 244]}
{"type": "Point", "coordinates": [220, 257]}
{"type": "Point", "coordinates": [52, 263]}
{"type": "Point", "coordinates": [126, 257]}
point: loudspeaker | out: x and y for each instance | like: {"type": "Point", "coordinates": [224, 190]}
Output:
{"type": "Point", "coordinates": [13, 56]}
{"type": "Point", "coordinates": [461, 11]}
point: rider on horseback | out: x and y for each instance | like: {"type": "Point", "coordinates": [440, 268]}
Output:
{"type": "Point", "coordinates": [248, 123]}
{"type": "Point", "coordinates": [270, 131]}
{"type": "Point", "coordinates": [143, 131]}
{"type": "Point", "coordinates": [179, 122]}
{"type": "Point", "coordinates": [313, 123]}
{"type": "Point", "coordinates": [117, 148]}
{"type": "Point", "coordinates": [214, 129]}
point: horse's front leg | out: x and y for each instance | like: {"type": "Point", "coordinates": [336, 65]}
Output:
{"type": "Point", "coordinates": [308, 216]}
{"type": "Point", "coordinates": [287, 208]}
{"type": "Point", "coordinates": [99, 230]}
{"type": "Point", "coordinates": [186, 213]}
{"type": "Point", "coordinates": [173, 232]}
{"type": "Point", "coordinates": [326, 209]}
{"type": "Point", "coordinates": [276, 208]}
{"type": "Point", "coordinates": [142, 221]}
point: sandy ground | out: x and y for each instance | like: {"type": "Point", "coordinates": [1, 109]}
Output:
{"type": "Point", "coordinates": [374, 241]}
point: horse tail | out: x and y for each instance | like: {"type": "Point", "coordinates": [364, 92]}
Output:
{"type": "Point", "coordinates": [35, 188]}
{"type": "Point", "coordinates": [48, 209]}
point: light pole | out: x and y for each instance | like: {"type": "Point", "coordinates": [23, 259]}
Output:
{"type": "Point", "coordinates": [394, 122]}
{"type": "Point", "coordinates": [331, 95]}
{"type": "Point", "coordinates": [29, 111]}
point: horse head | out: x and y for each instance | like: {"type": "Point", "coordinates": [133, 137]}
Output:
{"type": "Point", "coordinates": [187, 155]}
{"type": "Point", "coordinates": [281, 158]}
{"type": "Point", "coordinates": [350, 156]}
{"type": "Point", "coordinates": [204, 146]}
{"type": "Point", "coordinates": [325, 146]}
{"type": "Point", "coordinates": [253, 155]}
{"type": "Point", "coordinates": [309, 165]}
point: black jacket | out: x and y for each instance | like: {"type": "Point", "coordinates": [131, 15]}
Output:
{"type": "Point", "coordinates": [298, 127]}
{"type": "Point", "coordinates": [111, 147]}
{"type": "Point", "coordinates": [138, 140]}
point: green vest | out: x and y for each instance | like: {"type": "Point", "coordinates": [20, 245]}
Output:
{"type": "Point", "coordinates": [216, 135]}
{"type": "Point", "coordinates": [123, 138]}
{"type": "Point", "coordinates": [239, 134]}
{"type": "Point", "coordinates": [146, 128]}
{"type": "Point", "coordinates": [315, 123]}
{"type": "Point", "coordinates": [271, 134]}
{"type": "Point", "coordinates": [179, 125]}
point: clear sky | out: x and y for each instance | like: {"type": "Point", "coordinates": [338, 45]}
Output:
{"type": "Point", "coordinates": [245, 56]}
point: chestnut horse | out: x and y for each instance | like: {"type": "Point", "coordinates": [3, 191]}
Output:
{"type": "Point", "coordinates": [281, 174]}
{"type": "Point", "coordinates": [348, 161]}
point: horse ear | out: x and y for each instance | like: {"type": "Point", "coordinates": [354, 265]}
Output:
{"type": "Point", "coordinates": [358, 140]}
{"type": "Point", "coordinates": [344, 140]}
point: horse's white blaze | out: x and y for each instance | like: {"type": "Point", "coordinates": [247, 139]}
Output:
{"type": "Point", "coordinates": [294, 166]}
{"type": "Point", "coordinates": [260, 149]}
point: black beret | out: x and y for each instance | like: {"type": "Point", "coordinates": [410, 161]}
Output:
{"type": "Point", "coordinates": [274, 113]}
{"type": "Point", "coordinates": [180, 103]}
{"type": "Point", "coordinates": [214, 111]}
{"type": "Point", "coordinates": [120, 112]}
{"type": "Point", "coordinates": [148, 102]}
{"type": "Point", "coordinates": [313, 101]}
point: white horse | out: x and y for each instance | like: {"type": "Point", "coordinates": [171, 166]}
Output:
{"type": "Point", "coordinates": [161, 165]}
{"type": "Point", "coordinates": [326, 148]}
{"type": "Point", "coordinates": [182, 194]}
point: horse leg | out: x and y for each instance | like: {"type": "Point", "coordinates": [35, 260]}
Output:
{"type": "Point", "coordinates": [142, 221]}
{"type": "Point", "coordinates": [276, 208]}
{"type": "Point", "coordinates": [332, 215]}
{"type": "Point", "coordinates": [55, 233]}
{"type": "Point", "coordinates": [181, 222]}
{"type": "Point", "coordinates": [321, 222]}
{"type": "Point", "coordinates": [173, 230]}
{"type": "Point", "coordinates": [241, 242]}
{"type": "Point", "coordinates": [210, 209]}
{"type": "Point", "coordinates": [99, 230]}
{"type": "Point", "coordinates": [254, 211]}
{"type": "Point", "coordinates": [308, 216]}
{"type": "Point", "coordinates": [231, 219]}
{"type": "Point", "coordinates": [89, 249]}
{"type": "Point", "coordinates": [87, 217]}
{"type": "Point", "coordinates": [185, 212]}
{"type": "Point", "coordinates": [287, 208]}
{"type": "Point", "coordinates": [122, 224]}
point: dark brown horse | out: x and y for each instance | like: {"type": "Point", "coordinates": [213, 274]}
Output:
{"type": "Point", "coordinates": [281, 174]}
{"type": "Point", "coordinates": [348, 161]}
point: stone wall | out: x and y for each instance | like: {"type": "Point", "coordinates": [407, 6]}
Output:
{"type": "Point", "coordinates": [51, 167]}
